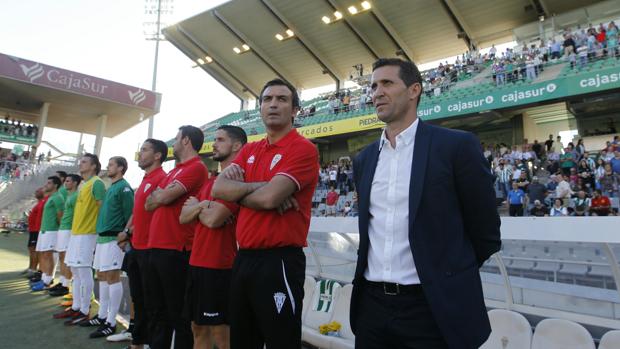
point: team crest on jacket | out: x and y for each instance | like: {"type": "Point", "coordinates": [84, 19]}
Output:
{"type": "Point", "coordinates": [147, 186]}
{"type": "Point", "coordinates": [275, 160]}
{"type": "Point", "coordinates": [251, 159]}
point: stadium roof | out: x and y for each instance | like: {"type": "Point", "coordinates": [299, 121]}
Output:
{"type": "Point", "coordinates": [76, 101]}
{"type": "Point", "coordinates": [236, 42]}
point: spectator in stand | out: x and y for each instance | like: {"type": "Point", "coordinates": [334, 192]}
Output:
{"type": "Point", "coordinates": [563, 190]}
{"type": "Point", "coordinates": [537, 149]}
{"type": "Point", "coordinates": [342, 180]}
{"type": "Point", "coordinates": [581, 204]}
{"type": "Point", "coordinates": [567, 161]}
{"type": "Point", "coordinates": [586, 174]}
{"type": "Point", "coordinates": [569, 44]}
{"type": "Point", "coordinates": [612, 39]}
{"type": "Point", "coordinates": [591, 163]}
{"type": "Point", "coordinates": [504, 177]}
{"type": "Point", "coordinates": [549, 143]}
{"type": "Point", "coordinates": [522, 182]}
{"type": "Point", "coordinates": [615, 162]}
{"type": "Point", "coordinates": [599, 170]}
{"type": "Point", "coordinates": [608, 153]}
{"type": "Point", "coordinates": [346, 100]}
{"type": "Point", "coordinates": [536, 191]}
{"type": "Point", "coordinates": [580, 148]}
{"type": "Point", "coordinates": [600, 204]}
{"type": "Point", "coordinates": [333, 176]}
{"type": "Point", "coordinates": [555, 48]}
{"type": "Point", "coordinates": [557, 210]}
{"type": "Point", "coordinates": [346, 210]}
{"type": "Point", "coordinates": [331, 201]}
{"type": "Point", "coordinates": [324, 182]}
{"type": "Point", "coordinates": [609, 182]}
{"type": "Point", "coordinates": [516, 200]}
{"type": "Point", "coordinates": [539, 210]}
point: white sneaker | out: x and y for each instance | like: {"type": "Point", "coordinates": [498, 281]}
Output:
{"type": "Point", "coordinates": [120, 337]}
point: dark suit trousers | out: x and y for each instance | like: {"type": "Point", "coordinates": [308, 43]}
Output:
{"type": "Point", "coordinates": [137, 262]}
{"type": "Point", "coordinates": [167, 278]}
{"type": "Point", "coordinates": [395, 321]}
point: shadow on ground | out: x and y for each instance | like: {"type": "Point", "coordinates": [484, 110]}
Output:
{"type": "Point", "coordinates": [26, 317]}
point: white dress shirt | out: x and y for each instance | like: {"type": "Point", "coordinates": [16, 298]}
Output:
{"type": "Point", "coordinates": [389, 255]}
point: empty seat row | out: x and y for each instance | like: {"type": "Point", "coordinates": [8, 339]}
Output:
{"type": "Point", "coordinates": [326, 301]}
{"type": "Point", "coordinates": [511, 330]}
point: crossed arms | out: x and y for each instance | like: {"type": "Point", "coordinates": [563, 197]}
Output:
{"type": "Point", "coordinates": [277, 194]}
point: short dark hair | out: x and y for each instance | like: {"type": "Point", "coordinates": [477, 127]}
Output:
{"type": "Point", "coordinates": [120, 161]}
{"type": "Point", "coordinates": [76, 178]}
{"type": "Point", "coordinates": [280, 82]}
{"type": "Point", "coordinates": [159, 147]}
{"type": "Point", "coordinates": [94, 159]}
{"type": "Point", "coordinates": [61, 174]}
{"type": "Point", "coordinates": [195, 135]}
{"type": "Point", "coordinates": [408, 72]}
{"type": "Point", "coordinates": [236, 133]}
{"type": "Point", "coordinates": [56, 180]}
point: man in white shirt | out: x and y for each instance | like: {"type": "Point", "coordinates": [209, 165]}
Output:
{"type": "Point", "coordinates": [426, 224]}
{"type": "Point", "coordinates": [333, 176]}
{"type": "Point", "coordinates": [563, 190]}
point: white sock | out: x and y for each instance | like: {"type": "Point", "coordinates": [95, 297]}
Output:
{"type": "Point", "coordinates": [104, 299]}
{"type": "Point", "coordinates": [54, 263]}
{"type": "Point", "coordinates": [86, 276]}
{"type": "Point", "coordinates": [77, 288]}
{"type": "Point", "coordinates": [62, 279]}
{"type": "Point", "coordinates": [65, 282]}
{"type": "Point", "coordinates": [116, 295]}
{"type": "Point", "coordinates": [46, 278]}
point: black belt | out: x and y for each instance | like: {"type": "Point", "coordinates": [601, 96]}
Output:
{"type": "Point", "coordinates": [392, 289]}
{"type": "Point", "coordinates": [109, 233]}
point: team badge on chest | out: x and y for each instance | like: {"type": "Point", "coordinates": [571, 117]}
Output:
{"type": "Point", "coordinates": [275, 160]}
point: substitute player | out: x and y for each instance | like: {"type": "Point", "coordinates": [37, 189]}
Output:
{"type": "Point", "coordinates": [71, 184]}
{"type": "Point", "coordinates": [52, 213]}
{"type": "Point", "coordinates": [171, 242]}
{"type": "Point", "coordinates": [83, 239]}
{"type": "Point", "coordinates": [113, 217]}
{"type": "Point", "coordinates": [274, 180]}
{"type": "Point", "coordinates": [153, 153]}
{"type": "Point", "coordinates": [214, 250]}
{"type": "Point", "coordinates": [34, 226]}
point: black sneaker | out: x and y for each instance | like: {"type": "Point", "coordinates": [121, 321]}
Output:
{"type": "Point", "coordinates": [36, 277]}
{"type": "Point", "coordinates": [103, 331]}
{"type": "Point", "coordinates": [76, 319]}
{"type": "Point", "coordinates": [94, 321]}
{"type": "Point", "coordinates": [60, 291]}
{"type": "Point", "coordinates": [55, 287]}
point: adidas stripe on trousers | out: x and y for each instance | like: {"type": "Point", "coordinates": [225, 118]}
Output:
{"type": "Point", "coordinates": [266, 299]}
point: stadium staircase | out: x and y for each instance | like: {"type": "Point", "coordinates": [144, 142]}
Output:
{"type": "Point", "coordinates": [16, 192]}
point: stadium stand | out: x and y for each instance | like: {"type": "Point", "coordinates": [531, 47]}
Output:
{"type": "Point", "coordinates": [12, 130]}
